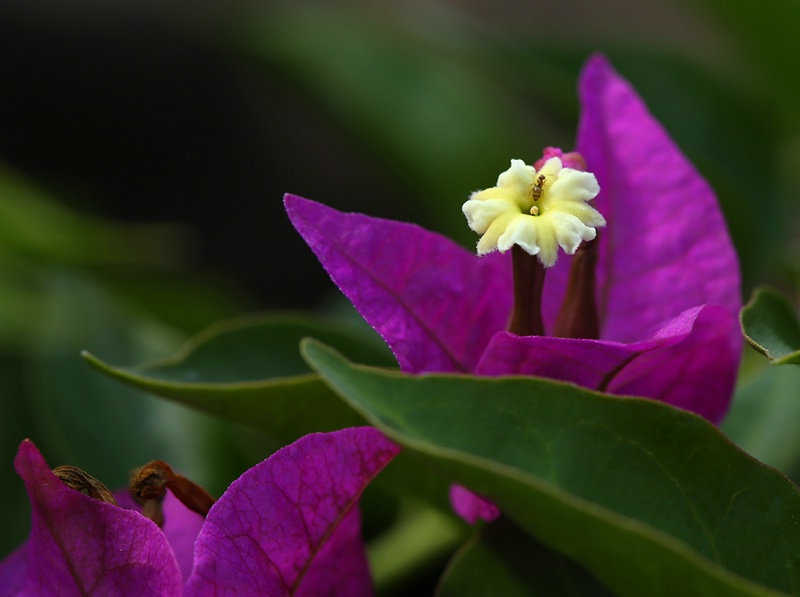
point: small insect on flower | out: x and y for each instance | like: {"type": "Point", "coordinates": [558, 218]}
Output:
{"type": "Point", "coordinates": [536, 192]}
{"type": "Point", "coordinates": [538, 187]}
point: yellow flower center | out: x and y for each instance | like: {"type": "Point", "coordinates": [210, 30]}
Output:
{"type": "Point", "coordinates": [538, 211]}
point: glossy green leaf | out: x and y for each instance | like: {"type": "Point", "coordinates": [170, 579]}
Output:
{"type": "Point", "coordinates": [771, 326]}
{"type": "Point", "coordinates": [249, 371]}
{"type": "Point", "coordinates": [652, 500]}
{"type": "Point", "coordinates": [503, 560]}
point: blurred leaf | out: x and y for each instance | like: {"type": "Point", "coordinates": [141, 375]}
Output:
{"type": "Point", "coordinates": [764, 417]}
{"type": "Point", "coordinates": [503, 560]}
{"type": "Point", "coordinates": [139, 261]}
{"type": "Point", "coordinates": [34, 226]}
{"type": "Point", "coordinates": [771, 326]}
{"type": "Point", "coordinates": [15, 423]}
{"type": "Point", "coordinates": [22, 305]}
{"type": "Point", "coordinates": [652, 500]}
{"type": "Point", "coordinates": [86, 420]}
{"type": "Point", "coordinates": [407, 90]}
{"type": "Point", "coordinates": [764, 34]}
{"type": "Point", "coordinates": [420, 536]}
{"type": "Point", "coordinates": [190, 301]}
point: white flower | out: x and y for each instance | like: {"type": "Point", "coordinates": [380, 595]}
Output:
{"type": "Point", "coordinates": [539, 211]}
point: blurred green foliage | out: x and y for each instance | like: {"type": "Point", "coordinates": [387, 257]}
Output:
{"type": "Point", "coordinates": [395, 111]}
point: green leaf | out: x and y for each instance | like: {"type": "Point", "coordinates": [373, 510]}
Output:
{"type": "Point", "coordinates": [503, 560]}
{"type": "Point", "coordinates": [651, 499]}
{"type": "Point", "coordinates": [249, 371]}
{"type": "Point", "coordinates": [771, 326]}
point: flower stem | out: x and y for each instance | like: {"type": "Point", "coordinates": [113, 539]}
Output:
{"type": "Point", "coordinates": [526, 317]}
{"type": "Point", "coordinates": [578, 315]}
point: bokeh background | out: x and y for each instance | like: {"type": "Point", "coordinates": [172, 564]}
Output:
{"type": "Point", "coordinates": [145, 147]}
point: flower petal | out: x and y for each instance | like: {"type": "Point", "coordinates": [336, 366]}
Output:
{"type": "Point", "coordinates": [688, 362]}
{"type": "Point", "coordinates": [435, 303]}
{"type": "Point", "coordinates": [667, 247]}
{"type": "Point", "coordinates": [14, 572]}
{"type": "Point", "coordinates": [290, 525]}
{"type": "Point", "coordinates": [80, 546]}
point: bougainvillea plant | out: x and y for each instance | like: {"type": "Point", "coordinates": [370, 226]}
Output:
{"type": "Point", "coordinates": [571, 368]}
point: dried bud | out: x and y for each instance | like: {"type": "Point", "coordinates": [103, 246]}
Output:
{"type": "Point", "coordinates": [149, 486]}
{"type": "Point", "coordinates": [80, 480]}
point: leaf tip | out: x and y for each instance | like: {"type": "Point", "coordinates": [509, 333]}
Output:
{"type": "Point", "coordinates": [315, 353]}
{"type": "Point", "coordinates": [94, 361]}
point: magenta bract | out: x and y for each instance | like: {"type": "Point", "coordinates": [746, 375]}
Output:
{"type": "Point", "coordinates": [292, 528]}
